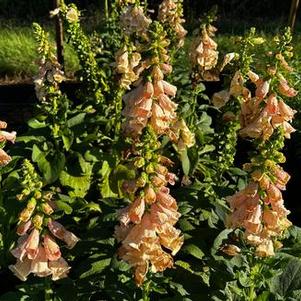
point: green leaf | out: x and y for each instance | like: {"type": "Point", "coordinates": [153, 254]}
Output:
{"type": "Point", "coordinates": [76, 120]}
{"type": "Point", "coordinates": [219, 241]}
{"type": "Point", "coordinates": [67, 140]}
{"type": "Point", "coordinates": [105, 188]}
{"type": "Point", "coordinates": [194, 251]}
{"type": "Point", "coordinates": [64, 206]}
{"type": "Point", "coordinates": [185, 162]}
{"type": "Point", "coordinates": [120, 174]}
{"type": "Point", "coordinates": [79, 185]}
{"type": "Point", "coordinates": [49, 164]}
{"type": "Point", "coordinates": [289, 280]}
{"type": "Point", "coordinates": [36, 124]}
{"type": "Point", "coordinates": [96, 267]}
{"type": "Point", "coordinates": [265, 296]}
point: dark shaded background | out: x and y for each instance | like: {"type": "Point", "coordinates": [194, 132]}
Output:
{"type": "Point", "coordinates": [235, 15]}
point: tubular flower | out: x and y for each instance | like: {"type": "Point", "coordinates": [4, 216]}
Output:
{"type": "Point", "coordinates": [261, 115]}
{"type": "Point", "coordinates": [182, 135]}
{"type": "Point", "coordinates": [37, 251]}
{"type": "Point", "coordinates": [133, 21]}
{"type": "Point", "coordinates": [150, 103]}
{"type": "Point", "coordinates": [127, 65]}
{"type": "Point", "coordinates": [170, 12]}
{"type": "Point", "coordinates": [40, 258]}
{"type": "Point", "coordinates": [4, 137]}
{"type": "Point", "coordinates": [204, 54]}
{"type": "Point", "coordinates": [147, 225]}
{"type": "Point", "coordinates": [259, 208]}
{"type": "Point", "coordinates": [147, 232]}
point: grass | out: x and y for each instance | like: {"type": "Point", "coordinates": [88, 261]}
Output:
{"type": "Point", "coordinates": [18, 51]}
{"type": "Point", "coordinates": [18, 54]}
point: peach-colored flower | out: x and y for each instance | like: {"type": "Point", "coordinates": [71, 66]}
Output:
{"type": "Point", "coordinates": [6, 136]}
{"type": "Point", "coordinates": [3, 125]}
{"type": "Point", "coordinates": [21, 269]}
{"type": "Point", "coordinates": [59, 269]}
{"type": "Point", "coordinates": [4, 158]}
{"type": "Point", "coordinates": [253, 222]}
{"type": "Point", "coordinates": [24, 227]}
{"type": "Point", "coordinates": [149, 195]}
{"type": "Point", "coordinates": [231, 250]}
{"type": "Point", "coordinates": [32, 244]}
{"type": "Point", "coordinates": [39, 266]}
{"type": "Point", "coordinates": [52, 249]}
{"type": "Point", "coordinates": [133, 21]}
{"type": "Point", "coordinates": [236, 85]}
{"type": "Point", "coordinates": [265, 249]}
{"type": "Point", "coordinates": [169, 13]}
{"type": "Point", "coordinates": [136, 210]}
{"type": "Point", "coordinates": [263, 88]}
{"type": "Point", "coordinates": [60, 232]}
{"type": "Point", "coordinates": [285, 89]}
{"type": "Point", "coordinates": [219, 99]}
{"type": "Point", "coordinates": [270, 218]}
{"type": "Point", "coordinates": [253, 77]}
{"type": "Point", "coordinates": [181, 134]}
{"type": "Point", "coordinates": [170, 237]}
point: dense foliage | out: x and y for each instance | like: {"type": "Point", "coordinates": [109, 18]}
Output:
{"type": "Point", "coordinates": [138, 188]}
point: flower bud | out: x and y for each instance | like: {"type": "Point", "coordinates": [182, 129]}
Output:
{"type": "Point", "coordinates": [139, 162]}
{"type": "Point", "coordinates": [142, 180]}
{"type": "Point", "coordinates": [150, 168]}
{"type": "Point", "coordinates": [149, 195]}
{"type": "Point", "coordinates": [37, 194]}
{"type": "Point", "coordinates": [231, 250]}
{"type": "Point", "coordinates": [158, 181]}
{"type": "Point", "coordinates": [37, 221]}
{"type": "Point", "coordinates": [47, 209]}
{"type": "Point", "coordinates": [20, 197]}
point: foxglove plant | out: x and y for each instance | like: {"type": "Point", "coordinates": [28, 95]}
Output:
{"type": "Point", "coordinates": [171, 16]}
{"type": "Point", "coordinates": [259, 208]}
{"type": "Point", "coordinates": [37, 251]}
{"type": "Point", "coordinates": [146, 228]}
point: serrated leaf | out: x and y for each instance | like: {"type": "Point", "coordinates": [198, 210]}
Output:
{"type": "Point", "coordinates": [289, 280]}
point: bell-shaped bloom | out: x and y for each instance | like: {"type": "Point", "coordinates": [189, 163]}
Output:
{"type": "Point", "coordinates": [32, 244]}
{"type": "Point", "coordinates": [59, 269]}
{"type": "Point", "coordinates": [136, 210]}
{"type": "Point", "coordinates": [60, 232]}
{"type": "Point", "coordinates": [52, 249]}
{"type": "Point", "coordinates": [133, 21]}
{"type": "Point", "coordinates": [263, 88]}
{"type": "Point", "coordinates": [219, 99]}
{"type": "Point", "coordinates": [24, 227]}
{"type": "Point", "coordinates": [286, 90]}
{"type": "Point", "coordinates": [8, 136]}
{"type": "Point", "coordinates": [231, 250]}
{"type": "Point", "coordinates": [252, 224]}
{"type": "Point", "coordinates": [237, 84]}
{"type": "Point", "coordinates": [265, 249]}
{"type": "Point", "coordinates": [170, 237]}
{"type": "Point", "coordinates": [21, 269]}
{"type": "Point", "coordinates": [169, 13]}
{"type": "Point", "coordinates": [149, 195]}
{"type": "Point", "coordinates": [4, 158]}
{"type": "Point", "coordinates": [39, 266]}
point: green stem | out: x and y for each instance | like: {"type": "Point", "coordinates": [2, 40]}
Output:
{"type": "Point", "coordinates": [106, 9]}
